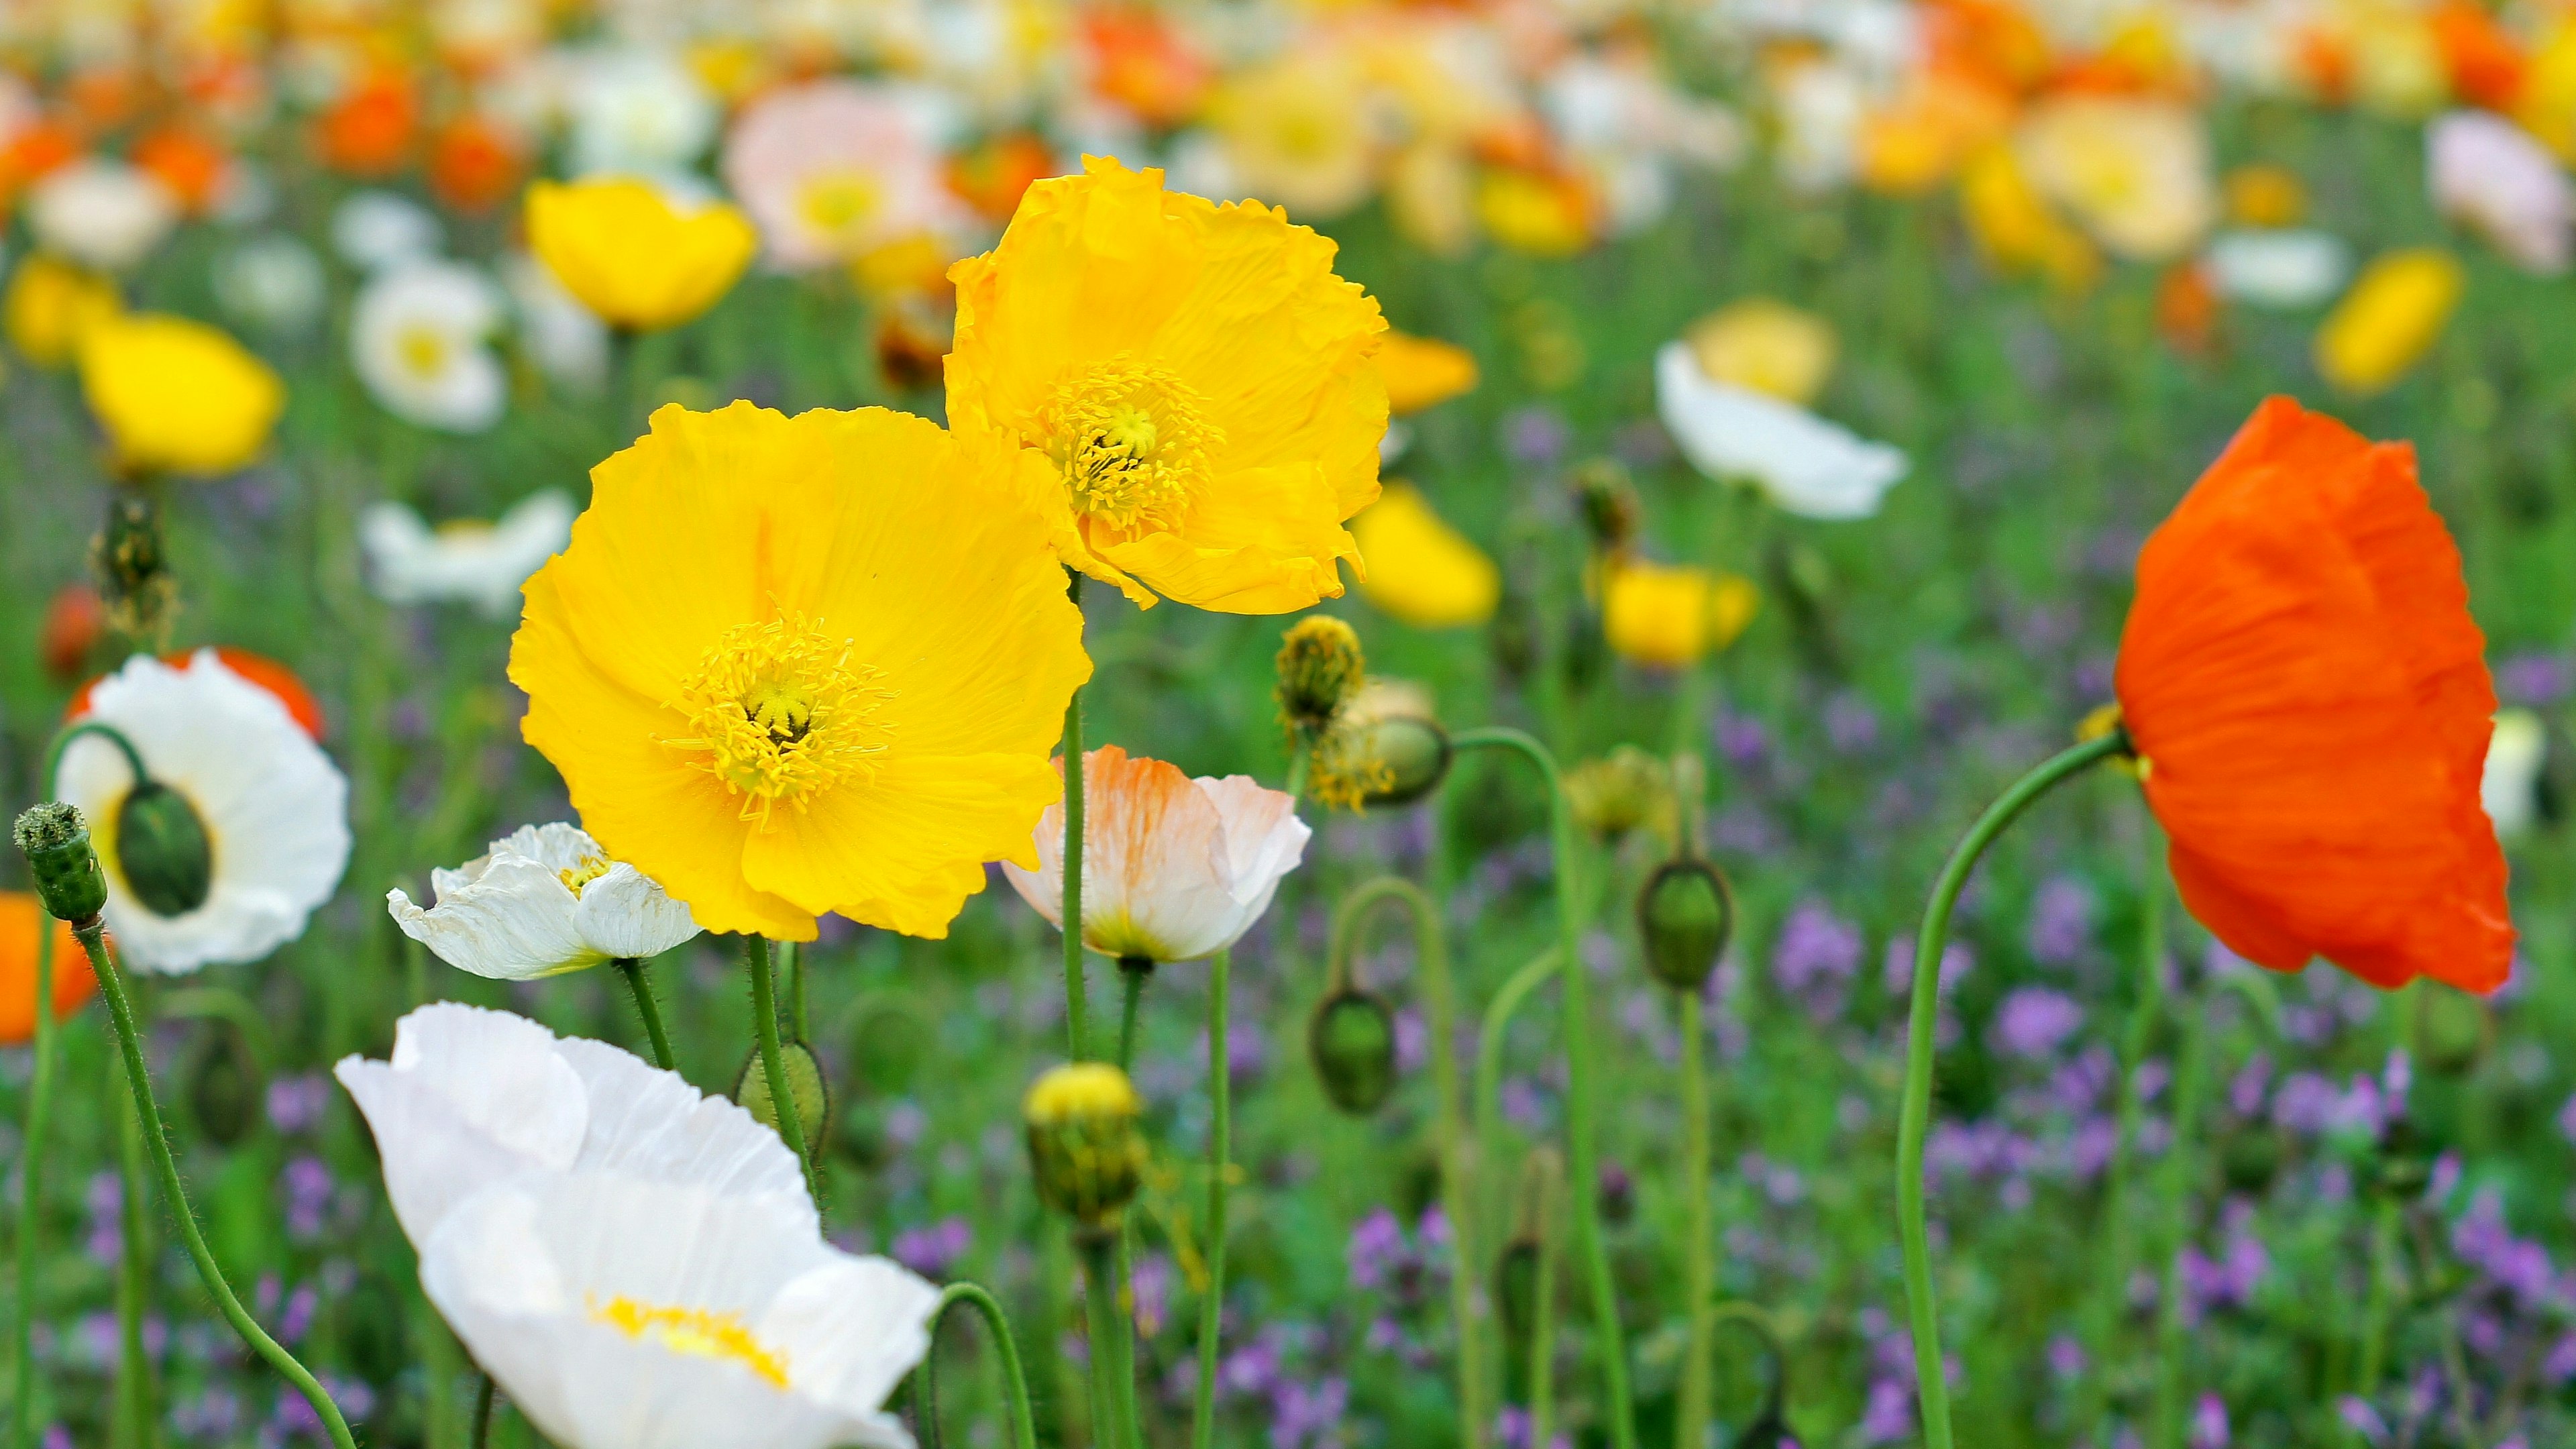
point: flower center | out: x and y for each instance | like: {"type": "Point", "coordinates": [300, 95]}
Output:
{"type": "Point", "coordinates": [590, 869]}
{"type": "Point", "coordinates": [838, 202]}
{"type": "Point", "coordinates": [1132, 443]}
{"type": "Point", "coordinates": [693, 1331]}
{"type": "Point", "coordinates": [423, 350]}
{"type": "Point", "coordinates": [781, 713]}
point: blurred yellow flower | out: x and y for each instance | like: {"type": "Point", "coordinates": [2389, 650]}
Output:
{"type": "Point", "coordinates": [1297, 132]}
{"type": "Point", "coordinates": [50, 304]}
{"type": "Point", "coordinates": [2014, 226]}
{"type": "Point", "coordinates": [1423, 371]}
{"type": "Point", "coordinates": [1768, 346]}
{"type": "Point", "coordinates": [798, 665]}
{"type": "Point", "coordinates": [1202, 385]}
{"type": "Point", "coordinates": [2547, 105]}
{"type": "Point", "coordinates": [2266, 195]}
{"type": "Point", "coordinates": [1914, 144]}
{"type": "Point", "coordinates": [1421, 570]}
{"type": "Point", "coordinates": [2390, 319]}
{"type": "Point", "coordinates": [1536, 212]}
{"type": "Point", "coordinates": [176, 396]}
{"type": "Point", "coordinates": [2134, 170]}
{"type": "Point", "coordinates": [1671, 617]}
{"type": "Point", "coordinates": [631, 256]}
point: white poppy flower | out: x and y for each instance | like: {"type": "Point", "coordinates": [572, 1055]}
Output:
{"type": "Point", "coordinates": [1172, 868]}
{"type": "Point", "coordinates": [272, 282]}
{"type": "Point", "coordinates": [101, 213]}
{"type": "Point", "coordinates": [272, 809]}
{"type": "Point", "coordinates": [619, 1314]}
{"type": "Point", "coordinates": [2510, 786]}
{"type": "Point", "coordinates": [418, 338]}
{"type": "Point", "coordinates": [2287, 271]}
{"type": "Point", "coordinates": [373, 230]}
{"type": "Point", "coordinates": [465, 560]}
{"type": "Point", "coordinates": [1806, 465]}
{"type": "Point", "coordinates": [544, 900]}
{"type": "Point", "coordinates": [2495, 177]}
{"type": "Point", "coordinates": [474, 1098]}
{"type": "Point", "coordinates": [638, 111]}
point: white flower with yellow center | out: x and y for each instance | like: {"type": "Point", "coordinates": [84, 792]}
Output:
{"type": "Point", "coordinates": [542, 901]}
{"type": "Point", "coordinates": [464, 560]}
{"type": "Point", "coordinates": [221, 823]}
{"type": "Point", "coordinates": [103, 214]}
{"type": "Point", "coordinates": [1807, 465]}
{"type": "Point", "coordinates": [833, 169]}
{"type": "Point", "coordinates": [419, 338]}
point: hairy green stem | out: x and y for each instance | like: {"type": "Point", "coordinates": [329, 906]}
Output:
{"type": "Point", "coordinates": [1699, 1257]}
{"type": "Point", "coordinates": [1113, 1398]}
{"type": "Point", "coordinates": [642, 991]}
{"type": "Point", "coordinates": [40, 1096]}
{"type": "Point", "coordinates": [1491, 1034]}
{"type": "Point", "coordinates": [1015, 1384]}
{"type": "Point", "coordinates": [136, 1412]}
{"type": "Point", "coordinates": [773, 1063]}
{"type": "Point", "coordinates": [1220, 1163]}
{"type": "Point", "coordinates": [1583, 1158]}
{"type": "Point", "coordinates": [1133, 973]}
{"type": "Point", "coordinates": [138, 1077]}
{"type": "Point", "coordinates": [792, 957]}
{"type": "Point", "coordinates": [1932, 1389]}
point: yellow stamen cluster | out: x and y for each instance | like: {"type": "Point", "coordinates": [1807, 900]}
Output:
{"type": "Point", "coordinates": [782, 713]}
{"type": "Point", "coordinates": [1133, 441]}
{"type": "Point", "coordinates": [693, 1331]}
{"type": "Point", "coordinates": [590, 869]}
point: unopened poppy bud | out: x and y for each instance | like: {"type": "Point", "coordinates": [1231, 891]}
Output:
{"type": "Point", "coordinates": [805, 1087]}
{"type": "Point", "coordinates": [1622, 791]}
{"type": "Point", "coordinates": [227, 1090]}
{"type": "Point", "coordinates": [1684, 916]}
{"type": "Point", "coordinates": [1609, 502]}
{"type": "Point", "coordinates": [1320, 666]}
{"type": "Point", "coordinates": [1352, 1042]}
{"type": "Point", "coordinates": [132, 561]}
{"type": "Point", "coordinates": [162, 850]}
{"type": "Point", "coordinates": [1414, 750]}
{"type": "Point", "coordinates": [68, 880]}
{"type": "Point", "coordinates": [73, 621]}
{"type": "Point", "coordinates": [1084, 1144]}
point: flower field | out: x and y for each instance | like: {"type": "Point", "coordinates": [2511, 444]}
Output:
{"type": "Point", "coordinates": [1083, 723]}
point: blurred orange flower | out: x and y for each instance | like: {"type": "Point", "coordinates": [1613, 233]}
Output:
{"type": "Point", "coordinates": [2486, 62]}
{"type": "Point", "coordinates": [991, 175]}
{"type": "Point", "coordinates": [1140, 62]}
{"type": "Point", "coordinates": [191, 165]}
{"type": "Point", "coordinates": [474, 165]}
{"type": "Point", "coordinates": [369, 131]}
{"type": "Point", "coordinates": [20, 920]}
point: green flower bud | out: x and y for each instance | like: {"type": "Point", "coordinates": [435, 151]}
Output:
{"type": "Point", "coordinates": [1684, 916]}
{"type": "Point", "coordinates": [1084, 1145]}
{"type": "Point", "coordinates": [55, 841]}
{"type": "Point", "coordinates": [1320, 665]}
{"type": "Point", "coordinates": [1352, 1041]}
{"type": "Point", "coordinates": [162, 850]}
{"type": "Point", "coordinates": [1415, 754]}
{"type": "Point", "coordinates": [804, 1087]}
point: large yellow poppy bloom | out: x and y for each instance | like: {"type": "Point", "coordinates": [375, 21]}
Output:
{"type": "Point", "coordinates": [1196, 374]}
{"type": "Point", "coordinates": [798, 665]}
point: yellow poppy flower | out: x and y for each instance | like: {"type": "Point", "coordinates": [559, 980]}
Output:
{"type": "Point", "coordinates": [176, 396]}
{"type": "Point", "coordinates": [631, 256]}
{"type": "Point", "coordinates": [798, 665]}
{"type": "Point", "coordinates": [1668, 617]}
{"type": "Point", "coordinates": [1770, 347]}
{"type": "Point", "coordinates": [2015, 228]}
{"type": "Point", "coordinates": [2394, 313]}
{"type": "Point", "coordinates": [1421, 570]}
{"type": "Point", "coordinates": [50, 304]}
{"type": "Point", "coordinates": [1423, 372]}
{"type": "Point", "coordinates": [1199, 379]}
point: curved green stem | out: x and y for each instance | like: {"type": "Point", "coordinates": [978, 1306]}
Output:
{"type": "Point", "coordinates": [40, 1094]}
{"type": "Point", "coordinates": [1583, 1162]}
{"type": "Point", "coordinates": [1015, 1385]}
{"type": "Point", "coordinates": [1759, 1321]}
{"type": "Point", "coordinates": [1455, 1145]}
{"type": "Point", "coordinates": [135, 1410]}
{"type": "Point", "coordinates": [218, 1003]}
{"type": "Point", "coordinates": [642, 991]}
{"type": "Point", "coordinates": [1077, 1002]}
{"type": "Point", "coordinates": [773, 1063]}
{"type": "Point", "coordinates": [1931, 1388]}
{"type": "Point", "coordinates": [107, 732]}
{"type": "Point", "coordinates": [1699, 1259]}
{"type": "Point", "coordinates": [1491, 1035]}
{"type": "Point", "coordinates": [1220, 1163]}
{"type": "Point", "coordinates": [138, 1077]}
{"type": "Point", "coordinates": [482, 1412]}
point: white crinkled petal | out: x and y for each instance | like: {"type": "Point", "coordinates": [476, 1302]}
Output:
{"type": "Point", "coordinates": [651, 1124]}
{"type": "Point", "coordinates": [623, 913]}
{"type": "Point", "coordinates": [1264, 841]}
{"type": "Point", "coordinates": [470, 1098]}
{"type": "Point", "coordinates": [1806, 465]}
{"type": "Point", "coordinates": [517, 922]}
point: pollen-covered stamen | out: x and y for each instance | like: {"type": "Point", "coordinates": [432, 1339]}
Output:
{"type": "Point", "coordinates": [589, 869]}
{"type": "Point", "coordinates": [694, 1331]}
{"type": "Point", "coordinates": [1131, 440]}
{"type": "Point", "coordinates": [781, 713]}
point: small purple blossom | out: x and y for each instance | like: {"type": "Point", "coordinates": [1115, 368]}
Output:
{"type": "Point", "coordinates": [296, 1104]}
{"type": "Point", "coordinates": [1815, 957]}
{"type": "Point", "coordinates": [2061, 922]}
{"type": "Point", "coordinates": [2034, 1022]}
{"type": "Point", "coordinates": [931, 1251]}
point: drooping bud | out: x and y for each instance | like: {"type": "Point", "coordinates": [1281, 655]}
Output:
{"type": "Point", "coordinates": [132, 561]}
{"type": "Point", "coordinates": [1084, 1145]}
{"type": "Point", "coordinates": [1609, 503]}
{"type": "Point", "coordinates": [1352, 1042]}
{"type": "Point", "coordinates": [805, 1087]}
{"type": "Point", "coordinates": [1320, 666]}
{"type": "Point", "coordinates": [162, 850]}
{"type": "Point", "coordinates": [227, 1089]}
{"type": "Point", "coordinates": [1684, 916]}
{"type": "Point", "coordinates": [68, 880]}
{"type": "Point", "coordinates": [1414, 750]}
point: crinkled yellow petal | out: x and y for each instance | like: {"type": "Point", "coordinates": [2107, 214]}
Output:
{"type": "Point", "coordinates": [889, 854]}
{"type": "Point", "coordinates": [1263, 541]}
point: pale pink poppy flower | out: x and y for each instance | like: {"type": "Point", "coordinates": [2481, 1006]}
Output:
{"type": "Point", "coordinates": [2490, 175]}
{"type": "Point", "coordinates": [1173, 868]}
{"type": "Point", "coordinates": [834, 169]}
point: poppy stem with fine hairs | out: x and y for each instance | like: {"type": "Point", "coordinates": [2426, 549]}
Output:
{"type": "Point", "coordinates": [773, 1064]}
{"type": "Point", "coordinates": [1915, 1117]}
{"type": "Point", "coordinates": [2191, 1090]}
{"type": "Point", "coordinates": [1015, 1386]}
{"type": "Point", "coordinates": [645, 1007]}
{"type": "Point", "coordinates": [40, 1091]}
{"type": "Point", "coordinates": [1582, 1165]}
{"type": "Point", "coordinates": [135, 1409]}
{"type": "Point", "coordinates": [1220, 1162]}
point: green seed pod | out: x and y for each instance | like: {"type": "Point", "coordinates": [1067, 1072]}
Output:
{"type": "Point", "coordinates": [1352, 1041]}
{"type": "Point", "coordinates": [1684, 916]}
{"type": "Point", "coordinates": [55, 841]}
{"type": "Point", "coordinates": [804, 1087]}
{"type": "Point", "coordinates": [227, 1091]}
{"type": "Point", "coordinates": [1320, 665]}
{"type": "Point", "coordinates": [1413, 753]}
{"type": "Point", "coordinates": [1084, 1146]}
{"type": "Point", "coordinates": [161, 848]}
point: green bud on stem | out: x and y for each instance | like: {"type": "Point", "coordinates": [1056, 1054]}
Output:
{"type": "Point", "coordinates": [1352, 1041]}
{"type": "Point", "coordinates": [1684, 916]}
{"type": "Point", "coordinates": [161, 847]}
{"type": "Point", "coordinates": [68, 880]}
{"type": "Point", "coordinates": [1084, 1143]}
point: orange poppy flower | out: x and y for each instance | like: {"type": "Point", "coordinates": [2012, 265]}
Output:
{"type": "Point", "coordinates": [2309, 699]}
{"type": "Point", "coordinates": [474, 165]}
{"type": "Point", "coordinates": [368, 131]}
{"type": "Point", "coordinates": [186, 162]}
{"type": "Point", "coordinates": [258, 669]}
{"type": "Point", "coordinates": [20, 916]}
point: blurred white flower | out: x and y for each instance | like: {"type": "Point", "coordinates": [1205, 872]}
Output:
{"type": "Point", "coordinates": [1173, 868]}
{"type": "Point", "coordinates": [2510, 789]}
{"type": "Point", "coordinates": [2492, 176]}
{"type": "Point", "coordinates": [374, 230]}
{"type": "Point", "coordinates": [544, 900]}
{"type": "Point", "coordinates": [565, 339]}
{"type": "Point", "coordinates": [101, 213]}
{"type": "Point", "coordinates": [464, 560]}
{"type": "Point", "coordinates": [272, 282]}
{"type": "Point", "coordinates": [1820, 108]}
{"type": "Point", "coordinates": [638, 111]}
{"type": "Point", "coordinates": [240, 831]}
{"type": "Point", "coordinates": [419, 337]}
{"type": "Point", "coordinates": [834, 168]}
{"type": "Point", "coordinates": [2284, 270]}
{"type": "Point", "coordinates": [1806, 465]}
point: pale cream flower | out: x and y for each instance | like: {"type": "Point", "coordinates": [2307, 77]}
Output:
{"type": "Point", "coordinates": [833, 169]}
{"type": "Point", "coordinates": [101, 213]}
{"type": "Point", "coordinates": [2490, 175]}
{"type": "Point", "coordinates": [2286, 270]}
{"type": "Point", "coordinates": [1806, 465]}
{"type": "Point", "coordinates": [2134, 171]}
{"type": "Point", "coordinates": [419, 338]}
{"type": "Point", "coordinates": [638, 112]}
{"type": "Point", "coordinates": [464, 560]}
{"type": "Point", "coordinates": [2510, 789]}
{"type": "Point", "coordinates": [544, 900]}
{"type": "Point", "coordinates": [373, 229]}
